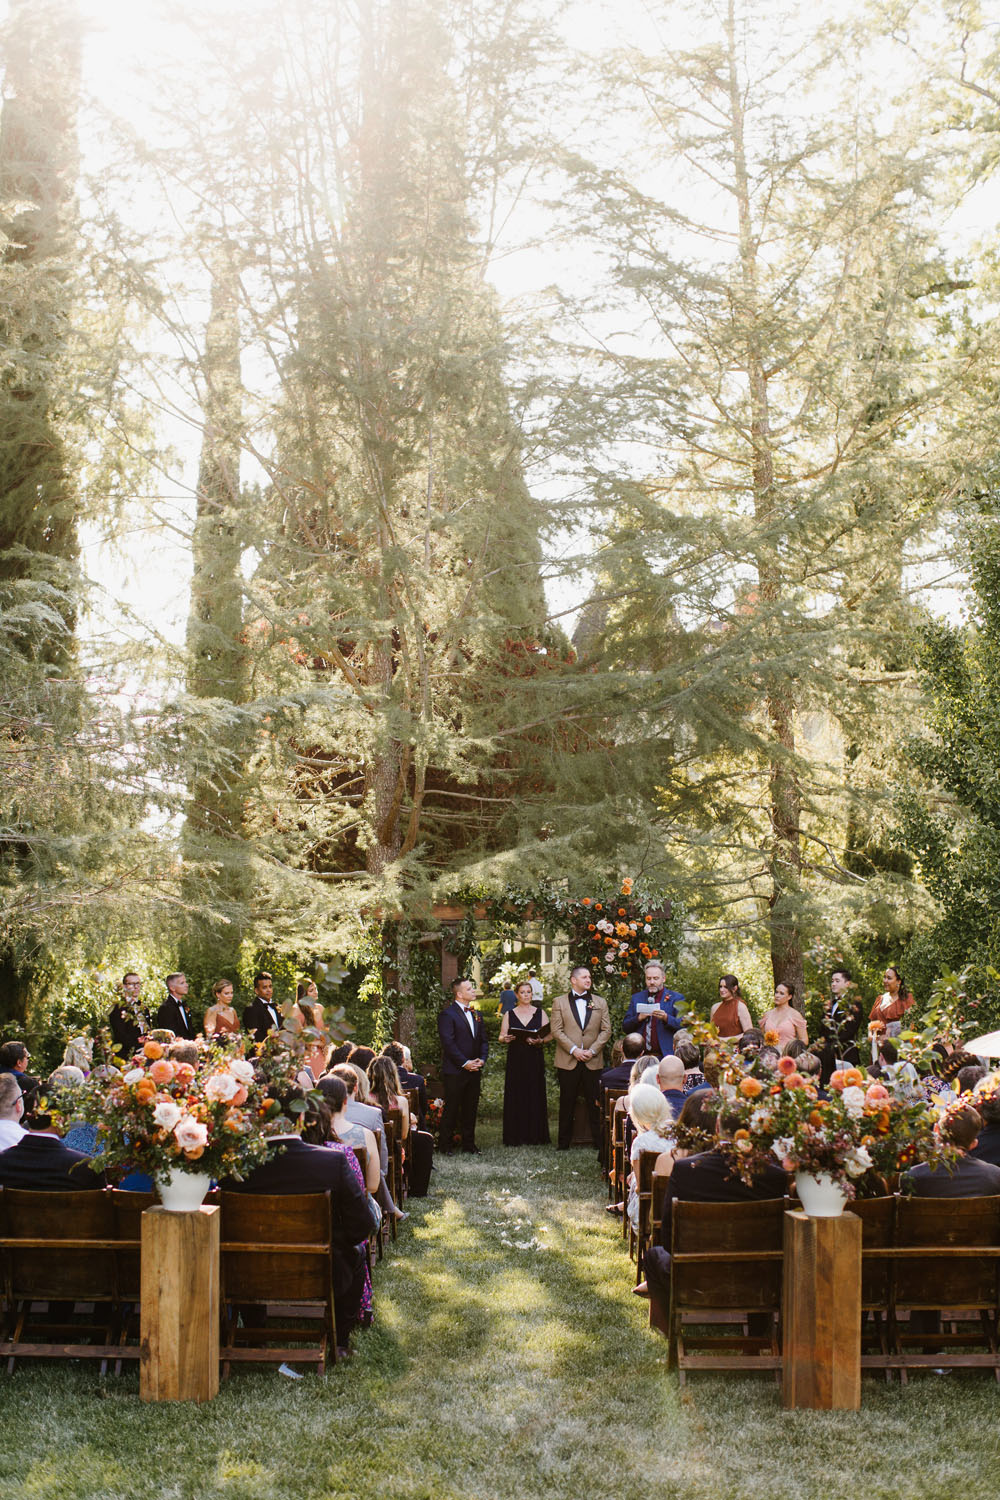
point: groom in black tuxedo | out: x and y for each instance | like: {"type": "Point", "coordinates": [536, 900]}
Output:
{"type": "Point", "coordinates": [464, 1049]}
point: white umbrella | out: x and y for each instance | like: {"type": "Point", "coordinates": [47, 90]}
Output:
{"type": "Point", "coordinates": [984, 1046]}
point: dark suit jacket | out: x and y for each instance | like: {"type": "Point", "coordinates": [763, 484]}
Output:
{"type": "Point", "coordinates": [665, 1022]}
{"type": "Point", "coordinates": [170, 1017]}
{"type": "Point", "coordinates": [617, 1077]}
{"type": "Point", "coordinates": [706, 1178]}
{"type": "Point", "coordinates": [301, 1168]}
{"type": "Point", "coordinates": [43, 1164]}
{"type": "Point", "coordinates": [125, 1029]}
{"type": "Point", "coordinates": [675, 1098]}
{"type": "Point", "coordinates": [459, 1044]}
{"type": "Point", "coordinates": [987, 1148]}
{"type": "Point", "coordinates": [258, 1019]}
{"type": "Point", "coordinates": [416, 1081]}
{"type": "Point", "coordinates": [970, 1179]}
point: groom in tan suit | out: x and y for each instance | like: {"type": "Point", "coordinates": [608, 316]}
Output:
{"type": "Point", "coordinates": [581, 1025]}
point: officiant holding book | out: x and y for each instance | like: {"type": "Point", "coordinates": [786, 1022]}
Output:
{"type": "Point", "coordinates": [653, 1012]}
{"type": "Point", "coordinates": [524, 1032]}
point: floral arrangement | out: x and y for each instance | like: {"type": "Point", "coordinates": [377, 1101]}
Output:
{"type": "Point", "coordinates": [158, 1114]}
{"type": "Point", "coordinates": [864, 1126]}
{"type": "Point", "coordinates": [510, 974]}
{"type": "Point", "coordinates": [617, 935]}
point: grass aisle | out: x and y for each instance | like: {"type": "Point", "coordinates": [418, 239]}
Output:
{"type": "Point", "coordinates": [509, 1360]}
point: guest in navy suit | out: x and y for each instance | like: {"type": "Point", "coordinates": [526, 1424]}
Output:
{"type": "Point", "coordinates": [464, 1049]}
{"type": "Point", "coordinates": [41, 1162]}
{"type": "Point", "coordinates": [657, 1029]}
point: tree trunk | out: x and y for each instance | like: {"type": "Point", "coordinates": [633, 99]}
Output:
{"type": "Point", "coordinates": [784, 854]}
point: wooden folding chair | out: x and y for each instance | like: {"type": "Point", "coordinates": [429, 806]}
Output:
{"type": "Point", "coordinates": [275, 1252]}
{"type": "Point", "coordinates": [726, 1271]}
{"type": "Point", "coordinates": [644, 1185]}
{"type": "Point", "coordinates": [878, 1226]}
{"type": "Point", "coordinates": [59, 1248]}
{"type": "Point", "coordinates": [945, 1282]}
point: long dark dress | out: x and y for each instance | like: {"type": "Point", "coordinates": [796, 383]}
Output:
{"type": "Point", "coordinates": [525, 1111]}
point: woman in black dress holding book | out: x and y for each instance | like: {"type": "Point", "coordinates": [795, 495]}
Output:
{"type": "Point", "coordinates": [524, 1032]}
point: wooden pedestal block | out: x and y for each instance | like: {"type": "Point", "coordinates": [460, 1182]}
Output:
{"type": "Point", "coordinates": [821, 1313]}
{"type": "Point", "coordinates": [179, 1354]}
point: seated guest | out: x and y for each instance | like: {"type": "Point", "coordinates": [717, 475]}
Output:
{"type": "Point", "coordinates": [361, 1057]}
{"type": "Point", "coordinates": [652, 1117]}
{"type": "Point", "coordinates": [368, 1116]}
{"type": "Point", "coordinates": [966, 1078]}
{"type": "Point", "coordinates": [14, 1060]}
{"type": "Point", "coordinates": [697, 1116]}
{"type": "Point", "coordinates": [705, 1178]}
{"type": "Point", "coordinates": [986, 1098]}
{"type": "Point", "coordinates": [79, 1053]}
{"type": "Point", "coordinates": [318, 1131]}
{"type": "Point", "coordinates": [769, 1056]}
{"type": "Point", "coordinates": [690, 1056]}
{"type": "Point", "coordinates": [80, 1136]}
{"type": "Point", "coordinates": [11, 1111]}
{"type": "Point", "coordinates": [407, 1078]}
{"type": "Point", "coordinates": [293, 1166]}
{"type": "Point", "coordinates": [617, 1054]}
{"type": "Point", "coordinates": [670, 1082]}
{"type": "Point", "coordinates": [617, 1076]}
{"type": "Point", "coordinates": [173, 1015]}
{"type": "Point", "coordinates": [969, 1177]}
{"type": "Point", "coordinates": [751, 1041]}
{"type": "Point", "coordinates": [42, 1163]}
{"type": "Point", "coordinates": [387, 1092]}
{"type": "Point", "coordinates": [183, 1052]}
{"type": "Point", "coordinates": [339, 1055]}
{"type": "Point", "coordinates": [347, 1133]}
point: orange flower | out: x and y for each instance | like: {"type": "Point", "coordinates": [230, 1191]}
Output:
{"type": "Point", "coordinates": [145, 1091]}
{"type": "Point", "coordinates": [627, 886]}
{"type": "Point", "coordinates": [183, 1073]}
{"type": "Point", "coordinates": [622, 929]}
{"type": "Point", "coordinates": [591, 927]}
{"type": "Point", "coordinates": [162, 1071]}
{"type": "Point", "coordinates": [786, 1065]}
{"type": "Point", "coordinates": [621, 911]}
{"type": "Point", "coordinates": [751, 1087]}
{"type": "Point", "coordinates": [815, 1117]}
{"type": "Point", "coordinates": [152, 1049]}
{"type": "Point", "coordinates": [771, 1038]}
{"type": "Point", "coordinates": [655, 952]}
{"type": "Point", "coordinates": [854, 1078]}
{"type": "Point", "coordinates": [194, 1153]}
{"type": "Point", "coordinates": [586, 902]}
{"type": "Point", "coordinates": [598, 906]}
{"type": "Point", "coordinates": [795, 1081]}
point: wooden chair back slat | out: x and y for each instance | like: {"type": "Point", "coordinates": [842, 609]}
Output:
{"type": "Point", "coordinates": [938, 1280]}
{"type": "Point", "coordinates": [878, 1225]}
{"type": "Point", "coordinates": [128, 1209]}
{"type": "Point", "coordinates": [57, 1274]}
{"type": "Point", "coordinates": [272, 1219]}
{"type": "Point", "coordinates": [748, 1284]}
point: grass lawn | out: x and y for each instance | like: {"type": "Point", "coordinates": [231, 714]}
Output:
{"type": "Point", "coordinates": [508, 1360]}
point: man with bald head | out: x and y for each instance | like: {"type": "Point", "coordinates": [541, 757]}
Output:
{"type": "Point", "coordinates": [653, 1012]}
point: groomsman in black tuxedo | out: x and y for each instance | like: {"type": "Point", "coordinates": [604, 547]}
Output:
{"type": "Point", "coordinates": [262, 1015]}
{"type": "Point", "coordinates": [128, 1021]}
{"type": "Point", "coordinates": [173, 1015]}
{"type": "Point", "coordinates": [464, 1048]}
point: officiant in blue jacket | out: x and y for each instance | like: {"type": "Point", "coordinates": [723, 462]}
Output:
{"type": "Point", "coordinates": [653, 1013]}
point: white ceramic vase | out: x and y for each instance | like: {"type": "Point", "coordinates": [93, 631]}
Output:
{"type": "Point", "coordinates": [182, 1192]}
{"type": "Point", "coordinates": [820, 1196]}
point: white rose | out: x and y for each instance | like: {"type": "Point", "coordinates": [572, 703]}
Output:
{"type": "Point", "coordinates": [166, 1114]}
{"type": "Point", "coordinates": [221, 1086]}
{"type": "Point", "coordinates": [854, 1102]}
{"type": "Point", "coordinates": [190, 1133]}
{"type": "Point", "coordinates": [857, 1161]}
{"type": "Point", "coordinates": [133, 1075]}
{"type": "Point", "coordinates": [241, 1069]}
{"type": "Point", "coordinates": [647, 928]}
{"type": "Point", "coordinates": [609, 968]}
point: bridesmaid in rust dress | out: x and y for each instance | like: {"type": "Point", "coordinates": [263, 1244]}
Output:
{"type": "Point", "coordinates": [730, 1014]}
{"type": "Point", "coordinates": [221, 1018]}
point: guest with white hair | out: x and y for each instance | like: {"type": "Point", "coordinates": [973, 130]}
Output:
{"type": "Point", "coordinates": [652, 1117]}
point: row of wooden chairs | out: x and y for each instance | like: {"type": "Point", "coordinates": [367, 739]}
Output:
{"type": "Point", "coordinates": [71, 1268]}
{"type": "Point", "coordinates": [930, 1284]}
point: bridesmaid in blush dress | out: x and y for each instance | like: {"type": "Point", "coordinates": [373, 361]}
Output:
{"type": "Point", "coordinates": [525, 1109]}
